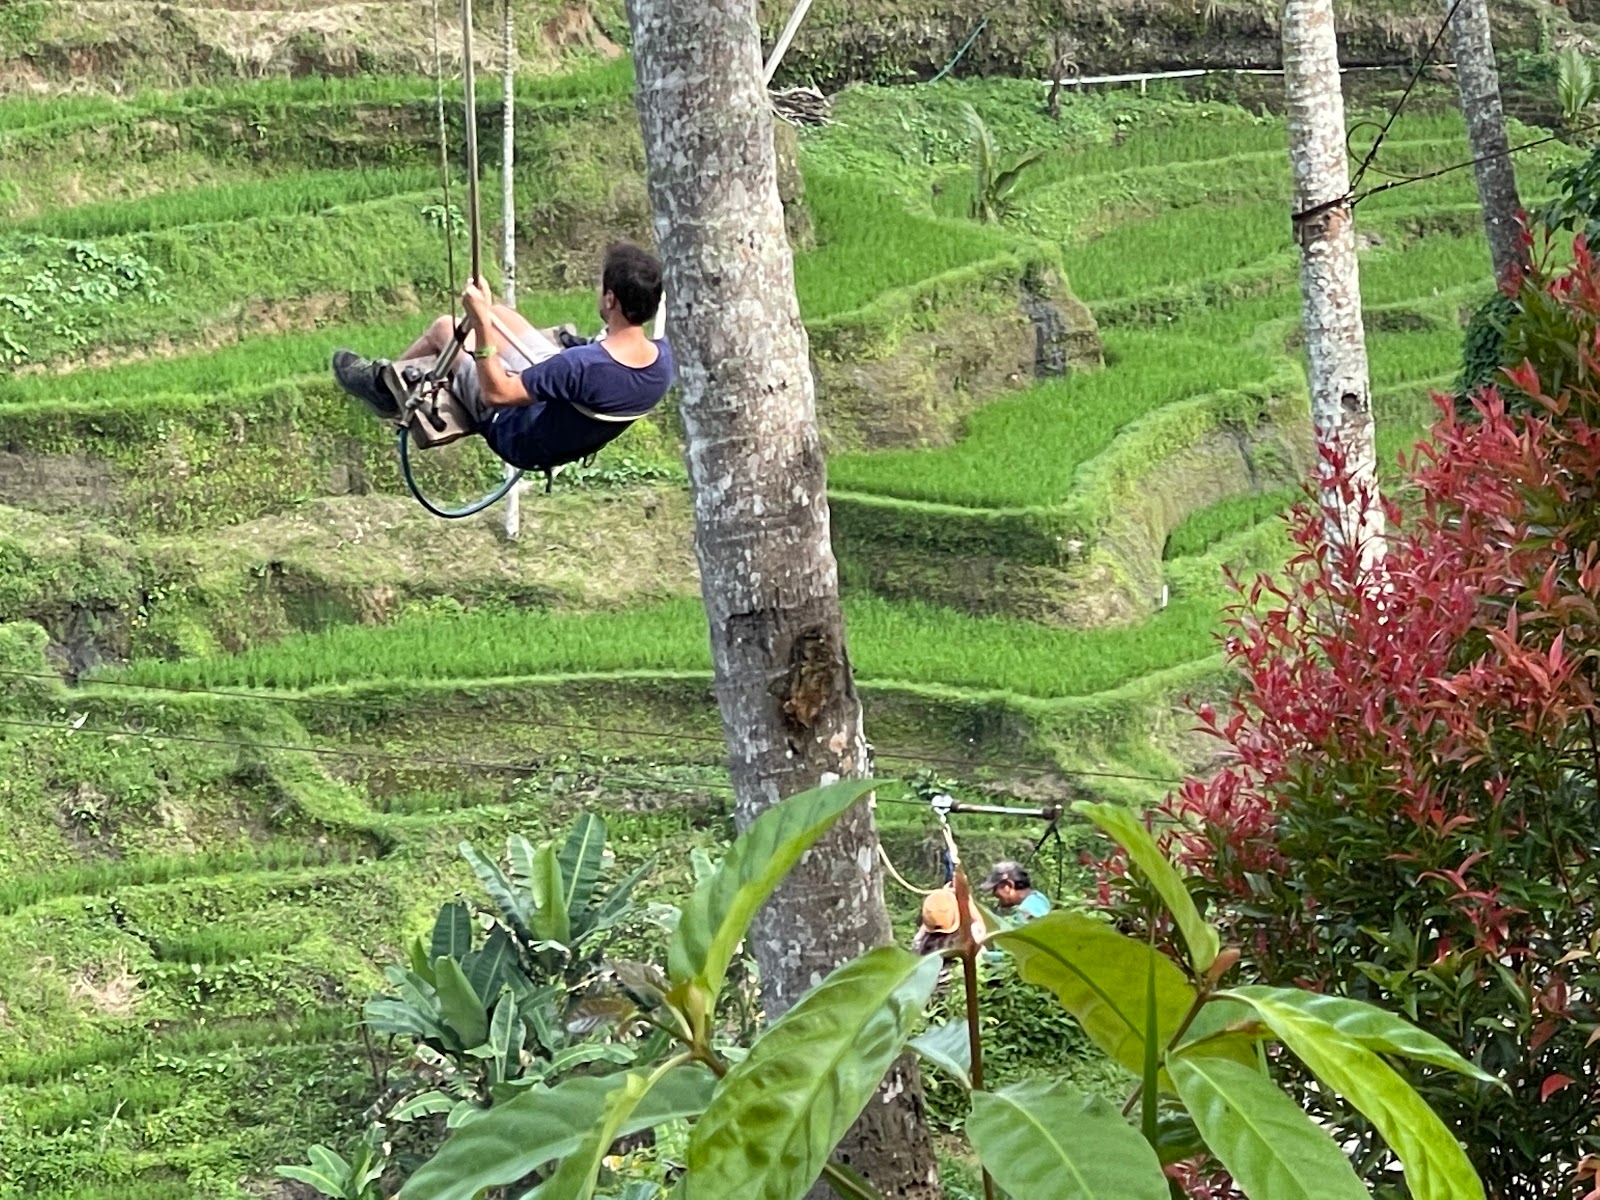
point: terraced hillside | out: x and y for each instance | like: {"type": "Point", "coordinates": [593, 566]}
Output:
{"type": "Point", "coordinates": [295, 694]}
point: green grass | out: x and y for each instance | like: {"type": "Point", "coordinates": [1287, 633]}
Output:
{"type": "Point", "coordinates": [286, 99]}
{"type": "Point", "coordinates": [262, 360]}
{"type": "Point", "coordinates": [889, 642]}
{"type": "Point", "coordinates": [1177, 247]}
{"type": "Point", "coordinates": [253, 967]}
{"type": "Point", "coordinates": [24, 1067]}
{"type": "Point", "coordinates": [295, 195]}
{"type": "Point", "coordinates": [1205, 527]}
{"type": "Point", "coordinates": [1401, 358]}
{"type": "Point", "coordinates": [868, 244]}
{"type": "Point", "coordinates": [87, 879]}
{"type": "Point", "coordinates": [1025, 450]}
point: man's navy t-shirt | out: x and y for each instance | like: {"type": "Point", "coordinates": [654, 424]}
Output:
{"type": "Point", "coordinates": [550, 431]}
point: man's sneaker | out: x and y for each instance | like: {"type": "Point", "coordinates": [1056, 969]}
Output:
{"type": "Point", "coordinates": [363, 379]}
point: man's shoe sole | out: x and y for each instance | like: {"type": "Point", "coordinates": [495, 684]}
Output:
{"type": "Point", "coordinates": [366, 383]}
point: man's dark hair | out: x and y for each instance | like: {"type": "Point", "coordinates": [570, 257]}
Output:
{"type": "Point", "coordinates": [633, 276]}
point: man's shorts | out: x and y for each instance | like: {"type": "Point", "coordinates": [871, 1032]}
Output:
{"type": "Point", "coordinates": [536, 348]}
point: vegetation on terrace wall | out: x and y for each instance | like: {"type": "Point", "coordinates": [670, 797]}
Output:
{"type": "Point", "coordinates": [1449, 753]}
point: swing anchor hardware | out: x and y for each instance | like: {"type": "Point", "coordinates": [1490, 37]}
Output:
{"type": "Point", "coordinates": [944, 805]}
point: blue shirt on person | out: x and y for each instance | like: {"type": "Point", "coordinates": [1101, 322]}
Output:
{"type": "Point", "coordinates": [552, 429]}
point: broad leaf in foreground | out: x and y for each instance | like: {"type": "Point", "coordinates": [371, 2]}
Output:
{"type": "Point", "coordinates": [1269, 1145]}
{"type": "Point", "coordinates": [779, 1113]}
{"type": "Point", "coordinates": [1101, 978]}
{"type": "Point", "coordinates": [1044, 1140]}
{"type": "Point", "coordinates": [1436, 1168]}
{"type": "Point", "coordinates": [498, 1146]}
{"type": "Point", "coordinates": [1125, 829]}
{"type": "Point", "coordinates": [1372, 1027]}
{"type": "Point", "coordinates": [719, 913]}
{"type": "Point", "coordinates": [575, 1177]}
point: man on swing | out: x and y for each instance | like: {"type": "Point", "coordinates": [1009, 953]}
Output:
{"type": "Point", "coordinates": [538, 406]}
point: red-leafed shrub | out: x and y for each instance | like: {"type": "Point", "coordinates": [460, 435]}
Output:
{"type": "Point", "coordinates": [1408, 808]}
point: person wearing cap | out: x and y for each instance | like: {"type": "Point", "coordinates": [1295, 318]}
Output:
{"type": "Point", "coordinates": [1018, 900]}
{"type": "Point", "coordinates": [940, 927]}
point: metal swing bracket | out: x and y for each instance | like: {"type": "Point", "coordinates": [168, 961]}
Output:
{"type": "Point", "coordinates": [943, 805]}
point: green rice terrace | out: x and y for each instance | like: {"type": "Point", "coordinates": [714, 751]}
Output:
{"type": "Point", "coordinates": [291, 694]}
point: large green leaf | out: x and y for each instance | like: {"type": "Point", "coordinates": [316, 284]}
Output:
{"type": "Point", "coordinates": [460, 1006]}
{"type": "Point", "coordinates": [496, 1147]}
{"type": "Point", "coordinates": [1101, 977]}
{"type": "Point", "coordinates": [490, 969]}
{"type": "Point", "coordinates": [1371, 1027]}
{"type": "Point", "coordinates": [324, 1183]}
{"type": "Point", "coordinates": [718, 914]}
{"type": "Point", "coordinates": [551, 921]}
{"type": "Point", "coordinates": [568, 1058]}
{"type": "Point", "coordinates": [1436, 1168]}
{"type": "Point", "coordinates": [581, 857]}
{"type": "Point", "coordinates": [1044, 1140]}
{"type": "Point", "coordinates": [615, 902]}
{"type": "Point", "coordinates": [514, 908]}
{"type": "Point", "coordinates": [452, 932]}
{"type": "Point", "coordinates": [428, 1104]}
{"type": "Point", "coordinates": [575, 1177]}
{"type": "Point", "coordinates": [948, 1047]}
{"type": "Point", "coordinates": [388, 1015]}
{"type": "Point", "coordinates": [1126, 830]}
{"type": "Point", "coordinates": [519, 857]}
{"type": "Point", "coordinates": [778, 1115]}
{"type": "Point", "coordinates": [1269, 1145]}
{"type": "Point", "coordinates": [421, 963]}
{"type": "Point", "coordinates": [505, 1037]}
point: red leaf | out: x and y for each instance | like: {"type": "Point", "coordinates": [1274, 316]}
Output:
{"type": "Point", "coordinates": [1554, 1084]}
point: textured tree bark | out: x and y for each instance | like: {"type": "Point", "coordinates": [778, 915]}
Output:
{"type": "Point", "coordinates": [508, 216]}
{"type": "Point", "coordinates": [1478, 79]}
{"type": "Point", "coordinates": [783, 680]}
{"type": "Point", "coordinates": [1336, 347]}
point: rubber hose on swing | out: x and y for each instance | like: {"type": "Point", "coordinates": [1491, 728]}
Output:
{"type": "Point", "coordinates": [451, 514]}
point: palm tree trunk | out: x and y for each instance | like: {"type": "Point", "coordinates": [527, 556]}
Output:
{"type": "Point", "coordinates": [768, 575]}
{"type": "Point", "coordinates": [1472, 44]}
{"type": "Point", "coordinates": [1336, 348]}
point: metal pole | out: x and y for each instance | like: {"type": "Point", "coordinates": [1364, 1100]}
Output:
{"type": "Point", "coordinates": [997, 810]}
{"type": "Point", "coordinates": [475, 216]}
{"type": "Point", "coordinates": [508, 217]}
{"type": "Point", "coordinates": [787, 36]}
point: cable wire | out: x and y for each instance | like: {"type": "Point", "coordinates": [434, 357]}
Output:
{"type": "Point", "coordinates": [1394, 113]}
{"type": "Point", "coordinates": [448, 223]}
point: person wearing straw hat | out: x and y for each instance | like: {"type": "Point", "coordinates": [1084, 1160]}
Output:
{"type": "Point", "coordinates": [940, 926]}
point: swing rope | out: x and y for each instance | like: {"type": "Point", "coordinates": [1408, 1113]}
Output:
{"type": "Point", "coordinates": [447, 358]}
{"type": "Point", "coordinates": [883, 857]}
